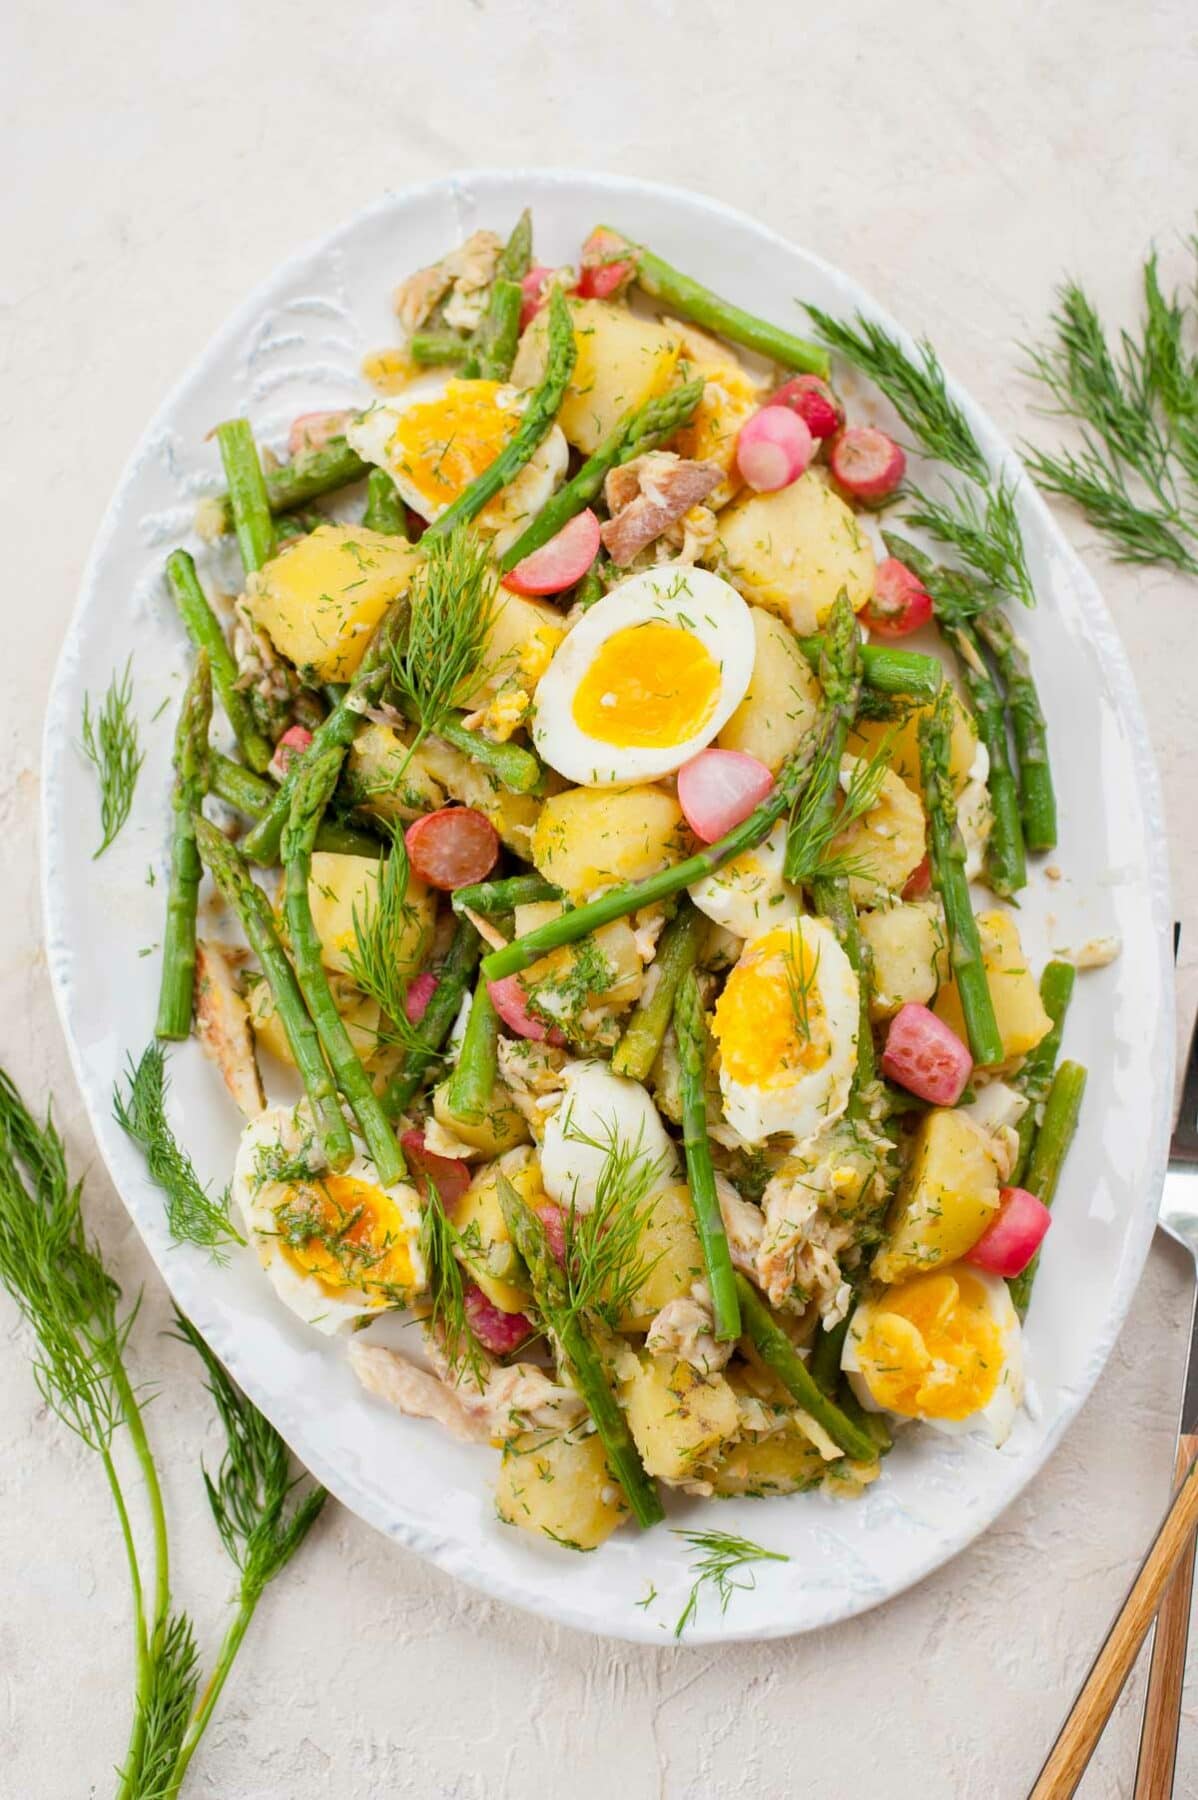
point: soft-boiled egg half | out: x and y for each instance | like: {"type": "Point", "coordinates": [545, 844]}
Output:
{"type": "Point", "coordinates": [433, 445]}
{"type": "Point", "coordinates": [749, 895]}
{"type": "Point", "coordinates": [944, 1347]}
{"type": "Point", "coordinates": [786, 1025]}
{"type": "Point", "coordinates": [335, 1247]}
{"type": "Point", "coordinates": [646, 678]}
{"type": "Point", "coordinates": [602, 1123]}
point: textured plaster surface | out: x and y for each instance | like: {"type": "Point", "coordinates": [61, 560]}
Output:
{"type": "Point", "coordinates": [956, 160]}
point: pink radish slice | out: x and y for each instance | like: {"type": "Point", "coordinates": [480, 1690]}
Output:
{"type": "Point", "coordinates": [899, 603]}
{"type": "Point", "coordinates": [919, 881]}
{"type": "Point", "coordinates": [553, 1220]}
{"type": "Point", "coordinates": [452, 848]}
{"type": "Point", "coordinates": [448, 1175]}
{"type": "Point", "coordinates": [814, 402]}
{"type": "Point", "coordinates": [719, 788]}
{"type": "Point", "coordinates": [533, 289]}
{"type": "Point", "coordinates": [499, 1332]}
{"type": "Point", "coordinates": [510, 1001]}
{"type": "Point", "coordinates": [1013, 1235]}
{"type": "Point", "coordinates": [312, 431]}
{"type": "Point", "coordinates": [294, 741]}
{"type": "Point", "coordinates": [605, 270]}
{"type": "Point", "coordinates": [773, 449]}
{"type": "Point", "coordinates": [421, 989]}
{"type": "Point", "coordinates": [561, 562]}
{"type": "Point", "coordinates": [866, 463]}
{"type": "Point", "coordinates": [923, 1055]}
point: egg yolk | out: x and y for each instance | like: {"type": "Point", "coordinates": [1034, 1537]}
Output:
{"type": "Point", "coordinates": [648, 686]}
{"type": "Point", "coordinates": [931, 1349]}
{"type": "Point", "coordinates": [769, 1021]}
{"type": "Point", "coordinates": [347, 1234]}
{"type": "Point", "coordinates": [439, 446]}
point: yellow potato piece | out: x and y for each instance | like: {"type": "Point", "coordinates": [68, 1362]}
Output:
{"type": "Point", "coordinates": [948, 1196]}
{"type": "Point", "coordinates": [782, 700]}
{"type": "Point", "coordinates": [795, 551]}
{"type": "Point", "coordinates": [320, 599]}
{"type": "Point", "coordinates": [559, 1485]}
{"type": "Point", "coordinates": [592, 838]}
{"type": "Point", "coordinates": [340, 883]}
{"type": "Point", "coordinates": [886, 845]}
{"type": "Point", "coordinates": [910, 956]}
{"type": "Point", "coordinates": [382, 779]}
{"type": "Point", "coordinates": [1018, 1008]}
{"type": "Point", "coordinates": [360, 1013]}
{"type": "Point", "coordinates": [622, 361]}
{"type": "Point", "coordinates": [518, 626]}
{"type": "Point", "coordinates": [669, 1243]}
{"type": "Point", "coordinates": [484, 1245]}
{"type": "Point", "coordinates": [677, 1416]}
{"type": "Point", "coordinates": [502, 1127]}
{"type": "Point", "coordinates": [868, 736]}
{"type": "Point", "coordinates": [783, 1463]}
{"type": "Point", "coordinates": [730, 396]}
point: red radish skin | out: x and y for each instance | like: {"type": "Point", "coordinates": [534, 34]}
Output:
{"type": "Point", "coordinates": [814, 402]}
{"type": "Point", "coordinates": [312, 431]}
{"type": "Point", "coordinates": [452, 848]}
{"type": "Point", "coordinates": [919, 882]}
{"type": "Point", "coordinates": [533, 288]}
{"type": "Point", "coordinates": [773, 449]}
{"type": "Point", "coordinates": [420, 991]}
{"type": "Point", "coordinates": [294, 741]}
{"type": "Point", "coordinates": [510, 1001]}
{"type": "Point", "coordinates": [561, 562]}
{"type": "Point", "coordinates": [923, 1055]}
{"type": "Point", "coordinates": [553, 1219]}
{"type": "Point", "coordinates": [604, 270]}
{"type": "Point", "coordinates": [719, 788]}
{"type": "Point", "coordinates": [499, 1332]}
{"type": "Point", "coordinates": [866, 463]}
{"type": "Point", "coordinates": [899, 604]}
{"type": "Point", "coordinates": [1013, 1235]}
{"type": "Point", "coordinates": [448, 1175]}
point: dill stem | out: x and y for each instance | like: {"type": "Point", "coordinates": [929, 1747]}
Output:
{"type": "Point", "coordinates": [137, 1729]}
{"type": "Point", "coordinates": [206, 1705]}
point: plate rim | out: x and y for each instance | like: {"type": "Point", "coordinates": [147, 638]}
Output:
{"type": "Point", "coordinates": [57, 741]}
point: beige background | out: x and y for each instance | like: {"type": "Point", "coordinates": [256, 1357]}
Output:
{"type": "Point", "coordinates": [159, 159]}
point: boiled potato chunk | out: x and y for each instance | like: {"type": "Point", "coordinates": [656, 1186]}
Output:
{"type": "Point", "coordinates": [1018, 1008]}
{"type": "Point", "coordinates": [781, 702]}
{"type": "Point", "coordinates": [521, 641]}
{"type": "Point", "coordinates": [592, 838]}
{"type": "Point", "coordinates": [622, 361]}
{"type": "Point", "coordinates": [730, 396]}
{"type": "Point", "coordinates": [677, 1416]}
{"type": "Point", "coordinates": [559, 1484]}
{"type": "Point", "coordinates": [484, 1245]}
{"type": "Point", "coordinates": [321, 597]}
{"type": "Point", "coordinates": [338, 884]}
{"type": "Point", "coordinates": [512, 815]}
{"type": "Point", "coordinates": [909, 954]}
{"type": "Point", "coordinates": [360, 1013]}
{"type": "Point", "coordinates": [948, 1196]}
{"type": "Point", "coordinates": [669, 1245]}
{"type": "Point", "coordinates": [603, 970]}
{"type": "Point", "coordinates": [886, 844]}
{"type": "Point", "coordinates": [382, 779]}
{"type": "Point", "coordinates": [795, 551]}
{"type": "Point", "coordinates": [501, 1127]}
{"type": "Point", "coordinates": [786, 1462]}
{"type": "Point", "coordinates": [902, 738]}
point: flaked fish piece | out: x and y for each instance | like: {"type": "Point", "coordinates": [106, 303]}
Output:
{"type": "Point", "coordinates": [223, 1027]}
{"type": "Point", "coordinates": [685, 1328]}
{"type": "Point", "coordinates": [468, 270]}
{"type": "Point", "coordinates": [647, 495]}
{"type": "Point", "coordinates": [512, 1397]}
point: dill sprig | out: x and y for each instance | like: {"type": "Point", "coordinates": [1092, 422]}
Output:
{"type": "Point", "coordinates": [815, 824]}
{"type": "Point", "coordinates": [915, 388]}
{"type": "Point", "coordinates": [802, 981]}
{"type": "Point", "coordinates": [110, 743]}
{"type": "Point", "coordinates": [452, 600]}
{"type": "Point", "coordinates": [448, 1318]}
{"type": "Point", "coordinates": [605, 1266]}
{"type": "Point", "coordinates": [194, 1216]}
{"type": "Point", "coordinates": [983, 530]}
{"type": "Point", "coordinates": [380, 928]}
{"type": "Point", "coordinates": [721, 1556]}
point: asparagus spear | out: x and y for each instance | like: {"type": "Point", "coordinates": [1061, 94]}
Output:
{"type": "Point", "coordinates": [700, 1172]}
{"type": "Point", "coordinates": [503, 896]}
{"type": "Point", "coordinates": [252, 794]}
{"type": "Point", "coordinates": [775, 1349]}
{"type": "Point", "coordinates": [515, 259]}
{"type": "Point", "coordinates": [948, 877]}
{"type": "Point", "coordinates": [641, 429]}
{"type": "Point", "coordinates": [203, 627]}
{"type": "Point", "coordinates": [1035, 1077]}
{"type": "Point", "coordinates": [494, 344]}
{"type": "Point", "coordinates": [833, 899]}
{"type": "Point", "coordinates": [584, 1361]}
{"type": "Point", "coordinates": [1052, 1141]}
{"type": "Point", "coordinates": [177, 990]}
{"type": "Point", "coordinates": [231, 876]}
{"type": "Point", "coordinates": [305, 478]}
{"type": "Point", "coordinates": [437, 349]}
{"type": "Point", "coordinates": [840, 678]}
{"type": "Point", "coordinates": [693, 301]}
{"type": "Point", "coordinates": [473, 1080]}
{"type": "Point", "coordinates": [1037, 799]}
{"type": "Point", "coordinates": [677, 951]}
{"type": "Point", "coordinates": [906, 673]}
{"type": "Point", "coordinates": [439, 1015]}
{"type": "Point", "coordinates": [518, 769]}
{"type": "Point", "coordinates": [385, 510]}
{"type": "Point", "coordinates": [248, 498]}
{"type": "Point", "coordinates": [537, 418]}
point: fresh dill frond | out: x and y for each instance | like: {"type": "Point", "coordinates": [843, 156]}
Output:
{"type": "Point", "coordinates": [983, 530]}
{"type": "Point", "coordinates": [448, 1317]}
{"type": "Point", "coordinates": [801, 982]}
{"type": "Point", "coordinates": [166, 1709]}
{"type": "Point", "coordinates": [815, 824]}
{"type": "Point", "coordinates": [605, 1266]}
{"type": "Point", "coordinates": [452, 606]}
{"type": "Point", "coordinates": [111, 745]}
{"type": "Point", "coordinates": [915, 387]}
{"type": "Point", "coordinates": [194, 1216]}
{"type": "Point", "coordinates": [721, 1556]}
{"type": "Point", "coordinates": [381, 927]}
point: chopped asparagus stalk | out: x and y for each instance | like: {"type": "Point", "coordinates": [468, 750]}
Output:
{"type": "Point", "coordinates": [504, 896]}
{"type": "Point", "coordinates": [1037, 799]}
{"type": "Point", "coordinates": [204, 629]}
{"type": "Point", "coordinates": [438, 349]}
{"type": "Point", "coordinates": [252, 795]}
{"type": "Point", "coordinates": [452, 981]}
{"type": "Point", "coordinates": [176, 993]}
{"type": "Point", "coordinates": [700, 1171]}
{"type": "Point", "coordinates": [385, 510]}
{"type": "Point", "coordinates": [904, 673]}
{"type": "Point", "coordinates": [494, 344]}
{"type": "Point", "coordinates": [519, 769]}
{"type": "Point", "coordinates": [1061, 1110]}
{"type": "Point", "coordinates": [833, 899]}
{"type": "Point", "coordinates": [775, 1348]}
{"type": "Point", "coordinates": [1035, 1077]}
{"type": "Point", "coordinates": [305, 478]}
{"type": "Point", "coordinates": [248, 498]}
{"type": "Point", "coordinates": [645, 1032]}
{"type": "Point", "coordinates": [473, 1081]}
{"type": "Point", "coordinates": [840, 678]}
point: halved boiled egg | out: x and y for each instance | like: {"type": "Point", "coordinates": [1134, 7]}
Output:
{"type": "Point", "coordinates": [786, 1025]}
{"type": "Point", "coordinates": [646, 678]}
{"type": "Point", "coordinates": [434, 444]}
{"type": "Point", "coordinates": [944, 1347]}
{"type": "Point", "coordinates": [604, 1125]}
{"type": "Point", "coordinates": [335, 1247]}
{"type": "Point", "coordinates": [749, 895]}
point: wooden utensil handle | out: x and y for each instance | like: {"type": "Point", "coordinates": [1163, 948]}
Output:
{"type": "Point", "coordinates": [1166, 1678]}
{"type": "Point", "coordinates": [1083, 1728]}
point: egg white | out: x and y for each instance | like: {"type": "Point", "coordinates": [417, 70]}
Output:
{"type": "Point", "coordinates": [677, 594]}
{"type": "Point", "coordinates": [749, 895]}
{"type": "Point", "coordinates": [289, 1130]}
{"type": "Point", "coordinates": [600, 1110]}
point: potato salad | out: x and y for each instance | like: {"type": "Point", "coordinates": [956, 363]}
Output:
{"type": "Point", "coordinates": [607, 942]}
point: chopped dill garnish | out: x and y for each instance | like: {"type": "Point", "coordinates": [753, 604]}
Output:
{"type": "Point", "coordinates": [721, 1555]}
{"type": "Point", "coordinates": [110, 743]}
{"type": "Point", "coordinates": [381, 926]}
{"type": "Point", "coordinates": [452, 610]}
{"type": "Point", "coordinates": [193, 1215]}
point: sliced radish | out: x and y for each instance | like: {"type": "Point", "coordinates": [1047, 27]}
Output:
{"type": "Point", "coordinates": [1013, 1235]}
{"type": "Point", "coordinates": [294, 741]}
{"type": "Point", "coordinates": [553, 1219]}
{"type": "Point", "coordinates": [814, 402]}
{"type": "Point", "coordinates": [452, 848]}
{"type": "Point", "coordinates": [510, 1000]}
{"type": "Point", "coordinates": [606, 267]}
{"type": "Point", "coordinates": [899, 603]}
{"type": "Point", "coordinates": [421, 989]}
{"type": "Point", "coordinates": [919, 881]}
{"type": "Point", "coordinates": [866, 463]}
{"type": "Point", "coordinates": [773, 448]}
{"type": "Point", "coordinates": [923, 1055]}
{"type": "Point", "coordinates": [719, 788]}
{"type": "Point", "coordinates": [448, 1174]}
{"type": "Point", "coordinates": [561, 562]}
{"type": "Point", "coordinates": [499, 1332]}
{"type": "Point", "coordinates": [533, 289]}
{"type": "Point", "coordinates": [312, 431]}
